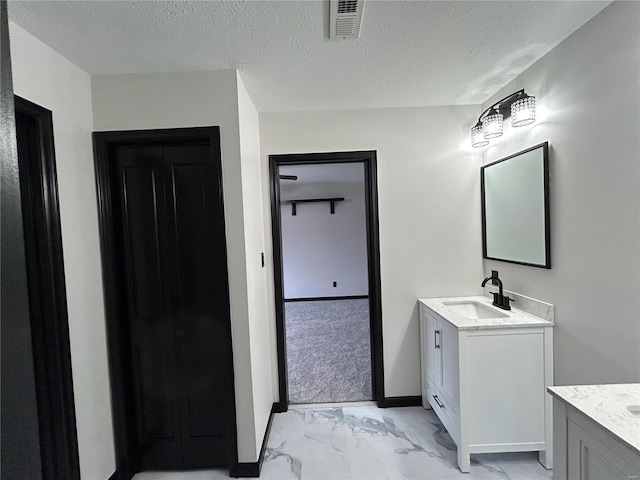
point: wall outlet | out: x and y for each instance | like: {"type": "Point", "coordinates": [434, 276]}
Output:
{"type": "Point", "coordinates": [335, 284]}
{"type": "Point", "coordinates": [494, 273]}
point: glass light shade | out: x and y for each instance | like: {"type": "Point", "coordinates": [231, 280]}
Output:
{"type": "Point", "coordinates": [477, 139]}
{"type": "Point", "coordinates": [492, 126]}
{"type": "Point", "coordinates": [523, 112]}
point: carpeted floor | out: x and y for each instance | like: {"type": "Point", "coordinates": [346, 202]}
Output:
{"type": "Point", "coordinates": [328, 351]}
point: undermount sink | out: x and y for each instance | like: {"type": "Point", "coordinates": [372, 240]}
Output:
{"type": "Point", "coordinates": [474, 310]}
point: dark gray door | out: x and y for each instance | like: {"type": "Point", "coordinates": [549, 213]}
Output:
{"type": "Point", "coordinates": [170, 243]}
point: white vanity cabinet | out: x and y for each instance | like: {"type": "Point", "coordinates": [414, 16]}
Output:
{"type": "Point", "coordinates": [486, 379]}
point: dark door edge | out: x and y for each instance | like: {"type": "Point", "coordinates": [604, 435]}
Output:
{"type": "Point", "coordinates": [102, 143]}
{"type": "Point", "coordinates": [51, 344]}
{"type": "Point", "coordinates": [373, 258]}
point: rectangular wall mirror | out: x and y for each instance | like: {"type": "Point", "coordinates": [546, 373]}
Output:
{"type": "Point", "coordinates": [515, 208]}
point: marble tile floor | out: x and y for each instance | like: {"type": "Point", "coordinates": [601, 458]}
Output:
{"type": "Point", "coordinates": [360, 441]}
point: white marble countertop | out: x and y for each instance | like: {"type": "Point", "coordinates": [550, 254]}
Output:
{"type": "Point", "coordinates": [607, 406]}
{"type": "Point", "coordinates": [514, 318]}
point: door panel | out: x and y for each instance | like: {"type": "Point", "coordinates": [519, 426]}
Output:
{"type": "Point", "coordinates": [433, 349]}
{"type": "Point", "coordinates": [449, 380]}
{"type": "Point", "coordinates": [204, 418]}
{"type": "Point", "coordinates": [192, 237]}
{"type": "Point", "coordinates": [149, 321]}
{"type": "Point", "coordinates": [204, 436]}
{"type": "Point", "coordinates": [153, 392]}
{"type": "Point", "coordinates": [589, 459]}
{"type": "Point", "coordinates": [199, 293]}
{"type": "Point", "coordinates": [144, 254]}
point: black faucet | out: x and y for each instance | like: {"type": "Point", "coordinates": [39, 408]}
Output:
{"type": "Point", "coordinates": [499, 300]}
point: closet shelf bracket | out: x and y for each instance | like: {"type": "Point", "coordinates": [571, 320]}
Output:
{"type": "Point", "coordinates": [331, 201]}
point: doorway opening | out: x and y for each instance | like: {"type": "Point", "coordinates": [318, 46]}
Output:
{"type": "Point", "coordinates": [327, 277]}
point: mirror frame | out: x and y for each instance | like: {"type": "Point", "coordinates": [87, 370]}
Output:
{"type": "Point", "coordinates": [547, 236]}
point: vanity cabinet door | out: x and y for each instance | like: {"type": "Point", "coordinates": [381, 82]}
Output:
{"type": "Point", "coordinates": [589, 458]}
{"type": "Point", "coordinates": [449, 384]}
{"type": "Point", "coordinates": [441, 339]}
{"type": "Point", "coordinates": [433, 343]}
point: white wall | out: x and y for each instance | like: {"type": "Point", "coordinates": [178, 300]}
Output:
{"type": "Point", "coordinates": [172, 100]}
{"type": "Point", "coordinates": [429, 208]}
{"type": "Point", "coordinates": [44, 77]}
{"type": "Point", "coordinates": [319, 248]}
{"type": "Point", "coordinates": [259, 330]}
{"type": "Point", "coordinates": [590, 87]}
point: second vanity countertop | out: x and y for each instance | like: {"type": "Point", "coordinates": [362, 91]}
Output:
{"type": "Point", "coordinates": [514, 318]}
{"type": "Point", "coordinates": [614, 407]}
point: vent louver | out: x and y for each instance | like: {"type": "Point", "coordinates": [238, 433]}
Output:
{"type": "Point", "coordinates": [347, 6]}
{"type": "Point", "coordinates": [345, 18]}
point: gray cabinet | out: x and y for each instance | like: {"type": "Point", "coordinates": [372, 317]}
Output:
{"type": "Point", "coordinates": [590, 458]}
{"type": "Point", "coordinates": [584, 450]}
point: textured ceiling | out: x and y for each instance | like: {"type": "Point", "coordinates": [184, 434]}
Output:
{"type": "Point", "coordinates": [416, 53]}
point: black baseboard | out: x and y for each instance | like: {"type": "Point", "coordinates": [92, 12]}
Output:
{"type": "Point", "coordinates": [408, 401]}
{"type": "Point", "coordinates": [248, 470]}
{"type": "Point", "coordinates": [313, 299]}
{"type": "Point", "coordinates": [280, 407]}
{"type": "Point", "coordinates": [252, 469]}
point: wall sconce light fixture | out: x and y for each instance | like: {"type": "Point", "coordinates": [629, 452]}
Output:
{"type": "Point", "coordinates": [519, 106]}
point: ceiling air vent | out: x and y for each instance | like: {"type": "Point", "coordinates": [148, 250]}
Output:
{"type": "Point", "coordinates": [345, 17]}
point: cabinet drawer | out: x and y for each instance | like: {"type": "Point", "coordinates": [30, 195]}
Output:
{"type": "Point", "coordinates": [444, 410]}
